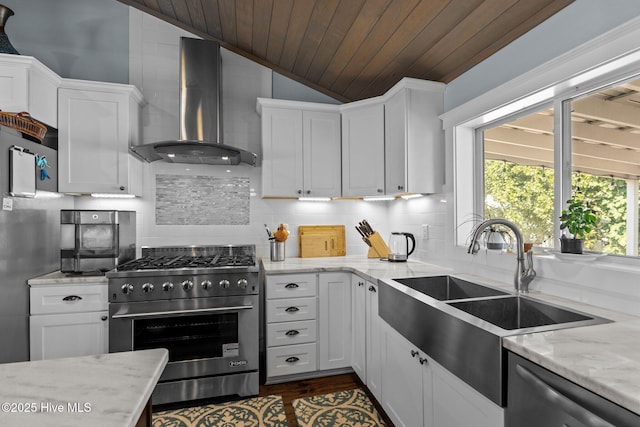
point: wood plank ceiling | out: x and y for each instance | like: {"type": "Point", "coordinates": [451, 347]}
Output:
{"type": "Point", "coordinates": [356, 49]}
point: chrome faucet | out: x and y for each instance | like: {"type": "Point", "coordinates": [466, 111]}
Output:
{"type": "Point", "coordinates": [524, 270]}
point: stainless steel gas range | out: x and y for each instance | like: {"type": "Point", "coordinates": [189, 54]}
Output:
{"type": "Point", "coordinates": [202, 304]}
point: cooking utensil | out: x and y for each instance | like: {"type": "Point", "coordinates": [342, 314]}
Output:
{"type": "Point", "coordinates": [269, 232]}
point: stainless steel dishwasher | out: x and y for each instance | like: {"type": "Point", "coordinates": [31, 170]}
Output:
{"type": "Point", "coordinates": [538, 397]}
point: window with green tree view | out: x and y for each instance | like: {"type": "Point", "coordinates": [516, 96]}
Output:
{"type": "Point", "coordinates": [602, 135]}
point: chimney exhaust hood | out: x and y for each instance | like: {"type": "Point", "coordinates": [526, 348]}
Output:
{"type": "Point", "coordinates": [200, 113]}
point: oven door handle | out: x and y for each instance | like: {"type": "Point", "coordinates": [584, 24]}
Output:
{"type": "Point", "coordinates": [174, 312]}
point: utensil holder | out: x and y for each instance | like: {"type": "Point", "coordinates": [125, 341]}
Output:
{"type": "Point", "coordinates": [277, 250]}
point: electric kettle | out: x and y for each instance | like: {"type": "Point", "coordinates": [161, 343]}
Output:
{"type": "Point", "coordinates": [399, 246]}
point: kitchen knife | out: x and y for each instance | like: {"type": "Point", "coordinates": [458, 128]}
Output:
{"type": "Point", "coordinates": [361, 232]}
{"type": "Point", "coordinates": [368, 226]}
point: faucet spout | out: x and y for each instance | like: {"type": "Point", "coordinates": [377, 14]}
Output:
{"type": "Point", "coordinates": [524, 273]}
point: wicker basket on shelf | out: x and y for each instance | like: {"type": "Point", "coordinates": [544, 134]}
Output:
{"type": "Point", "coordinates": [23, 122]}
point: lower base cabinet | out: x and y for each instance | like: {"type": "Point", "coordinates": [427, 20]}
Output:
{"type": "Point", "coordinates": [416, 391]}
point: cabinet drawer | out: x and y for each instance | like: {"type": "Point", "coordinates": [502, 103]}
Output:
{"type": "Point", "coordinates": [287, 333]}
{"type": "Point", "coordinates": [53, 299]}
{"type": "Point", "coordinates": [290, 309]}
{"type": "Point", "coordinates": [291, 286]}
{"type": "Point", "coordinates": [291, 359]}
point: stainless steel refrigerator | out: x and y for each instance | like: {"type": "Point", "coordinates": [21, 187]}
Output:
{"type": "Point", "coordinates": [29, 244]}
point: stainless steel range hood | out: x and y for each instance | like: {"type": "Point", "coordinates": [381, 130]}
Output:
{"type": "Point", "coordinates": [200, 113]}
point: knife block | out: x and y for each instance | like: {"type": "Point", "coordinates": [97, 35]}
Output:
{"type": "Point", "coordinates": [379, 248]}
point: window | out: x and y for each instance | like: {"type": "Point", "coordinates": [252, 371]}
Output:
{"type": "Point", "coordinates": [519, 160]}
{"type": "Point", "coordinates": [518, 174]}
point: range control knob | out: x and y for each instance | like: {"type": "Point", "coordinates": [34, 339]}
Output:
{"type": "Point", "coordinates": [127, 289]}
{"type": "Point", "coordinates": [242, 283]}
{"type": "Point", "coordinates": [147, 287]}
{"type": "Point", "coordinates": [187, 285]}
{"type": "Point", "coordinates": [224, 283]}
{"type": "Point", "coordinates": [206, 284]}
{"type": "Point", "coordinates": [167, 286]}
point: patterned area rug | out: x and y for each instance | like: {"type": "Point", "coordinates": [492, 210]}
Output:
{"type": "Point", "coordinates": [351, 408]}
{"type": "Point", "coordinates": [267, 411]}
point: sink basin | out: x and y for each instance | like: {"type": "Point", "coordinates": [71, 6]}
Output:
{"type": "Point", "coordinates": [517, 312]}
{"type": "Point", "coordinates": [445, 288]}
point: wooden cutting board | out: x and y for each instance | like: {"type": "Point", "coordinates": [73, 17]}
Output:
{"type": "Point", "coordinates": [321, 240]}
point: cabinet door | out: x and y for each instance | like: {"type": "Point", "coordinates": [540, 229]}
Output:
{"type": "Point", "coordinates": [334, 290]}
{"type": "Point", "coordinates": [456, 404]}
{"type": "Point", "coordinates": [363, 151]}
{"type": "Point", "coordinates": [282, 161]}
{"type": "Point", "coordinates": [93, 150]}
{"type": "Point", "coordinates": [402, 397]}
{"type": "Point", "coordinates": [373, 353]}
{"type": "Point", "coordinates": [359, 327]}
{"type": "Point", "coordinates": [321, 148]}
{"type": "Point", "coordinates": [67, 335]}
{"type": "Point", "coordinates": [395, 153]}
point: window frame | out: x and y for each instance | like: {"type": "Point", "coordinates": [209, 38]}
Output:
{"type": "Point", "coordinates": [603, 62]}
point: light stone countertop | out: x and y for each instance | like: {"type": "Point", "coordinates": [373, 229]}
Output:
{"type": "Point", "coordinates": [59, 278]}
{"type": "Point", "coordinates": [602, 358]}
{"type": "Point", "coordinates": [115, 386]}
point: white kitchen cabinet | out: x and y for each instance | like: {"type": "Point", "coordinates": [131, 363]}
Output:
{"type": "Point", "coordinates": [363, 149]}
{"type": "Point", "coordinates": [68, 320]}
{"type": "Point", "coordinates": [27, 85]}
{"type": "Point", "coordinates": [405, 374]}
{"type": "Point", "coordinates": [457, 404]}
{"type": "Point", "coordinates": [300, 149]}
{"type": "Point", "coordinates": [98, 122]}
{"type": "Point", "coordinates": [374, 342]}
{"type": "Point", "coordinates": [334, 320]}
{"type": "Point", "coordinates": [414, 139]}
{"type": "Point", "coordinates": [366, 338]}
{"type": "Point", "coordinates": [359, 327]}
{"type": "Point", "coordinates": [291, 323]}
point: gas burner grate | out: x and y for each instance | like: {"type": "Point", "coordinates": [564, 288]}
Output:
{"type": "Point", "coordinates": [183, 261]}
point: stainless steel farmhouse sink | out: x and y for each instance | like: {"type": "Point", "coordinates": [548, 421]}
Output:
{"type": "Point", "coordinates": [444, 288]}
{"type": "Point", "coordinates": [461, 327]}
{"type": "Point", "coordinates": [518, 312]}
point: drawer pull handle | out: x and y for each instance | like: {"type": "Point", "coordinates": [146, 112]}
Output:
{"type": "Point", "coordinates": [292, 333]}
{"type": "Point", "coordinates": [72, 298]}
{"type": "Point", "coordinates": [372, 289]}
{"type": "Point", "coordinates": [291, 285]}
{"type": "Point", "coordinates": [291, 359]}
{"type": "Point", "coordinates": [291, 309]}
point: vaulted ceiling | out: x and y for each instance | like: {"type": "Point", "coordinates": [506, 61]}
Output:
{"type": "Point", "coordinates": [356, 49]}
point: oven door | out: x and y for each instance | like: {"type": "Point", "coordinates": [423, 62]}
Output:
{"type": "Point", "coordinates": [204, 336]}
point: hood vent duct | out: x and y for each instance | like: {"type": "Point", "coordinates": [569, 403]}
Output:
{"type": "Point", "coordinates": [200, 113]}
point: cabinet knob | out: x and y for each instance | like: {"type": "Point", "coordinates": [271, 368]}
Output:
{"type": "Point", "coordinates": [122, 188]}
{"type": "Point", "coordinates": [414, 353]}
{"type": "Point", "coordinates": [104, 318]}
{"type": "Point", "coordinates": [372, 289]}
{"type": "Point", "coordinates": [423, 360]}
{"type": "Point", "coordinates": [380, 190]}
{"type": "Point", "coordinates": [299, 191]}
{"type": "Point", "coordinates": [400, 187]}
{"type": "Point", "coordinates": [308, 192]}
{"type": "Point", "coordinates": [360, 283]}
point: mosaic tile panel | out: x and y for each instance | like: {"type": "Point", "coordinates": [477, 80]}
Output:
{"type": "Point", "coordinates": [202, 200]}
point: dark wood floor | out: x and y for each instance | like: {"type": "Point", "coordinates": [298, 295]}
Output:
{"type": "Point", "coordinates": [297, 389]}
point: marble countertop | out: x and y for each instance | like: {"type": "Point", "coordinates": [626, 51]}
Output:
{"type": "Point", "coordinates": [110, 389]}
{"type": "Point", "coordinates": [60, 278]}
{"type": "Point", "coordinates": [602, 358]}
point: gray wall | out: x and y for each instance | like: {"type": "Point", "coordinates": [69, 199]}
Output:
{"type": "Point", "coordinates": [78, 39]}
{"type": "Point", "coordinates": [578, 23]}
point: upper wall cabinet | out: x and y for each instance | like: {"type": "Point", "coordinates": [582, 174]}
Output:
{"type": "Point", "coordinates": [98, 122]}
{"type": "Point", "coordinates": [363, 149]}
{"type": "Point", "coordinates": [414, 139]}
{"type": "Point", "coordinates": [27, 85]}
{"type": "Point", "coordinates": [300, 149]}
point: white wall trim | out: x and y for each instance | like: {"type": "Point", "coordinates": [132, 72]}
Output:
{"type": "Point", "coordinates": [557, 73]}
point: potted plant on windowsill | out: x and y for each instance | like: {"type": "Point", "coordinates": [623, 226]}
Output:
{"type": "Point", "coordinates": [577, 220]}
